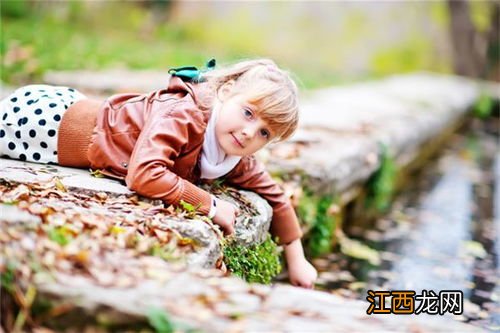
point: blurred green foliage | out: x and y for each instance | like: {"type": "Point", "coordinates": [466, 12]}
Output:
{"type": "Point", "coordinates": [414, 53]}
{"type": "Point", "coordinates": [38, 36]}
{"type": "Point", "coordinates": [381, 185]}
{"type": "Point", "coordinates": [483, 108]}
{"type": "Point", "coordinates": [314, 211]}
{"type": "Point", "coordinates": [357, 43]}
{"type": "Point", "coordinates": [160, 320]}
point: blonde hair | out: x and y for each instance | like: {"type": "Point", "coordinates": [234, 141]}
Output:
{"type": "Point", "coordinates": [267, 87]}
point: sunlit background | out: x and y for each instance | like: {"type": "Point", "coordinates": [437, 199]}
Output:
{"type": "Point", "coordinates": [324, 43]}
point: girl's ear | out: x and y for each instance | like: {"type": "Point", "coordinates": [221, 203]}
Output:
{"type": "Point", "coordinates": [225, 90]}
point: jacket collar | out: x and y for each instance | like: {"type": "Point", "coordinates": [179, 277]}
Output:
{"type": "Point", "coordinates": [199, 92]}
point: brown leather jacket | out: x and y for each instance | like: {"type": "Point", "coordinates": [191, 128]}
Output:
{"type": "Point", "coordinates": [153, 141]}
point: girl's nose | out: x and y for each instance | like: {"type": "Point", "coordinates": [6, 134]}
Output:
{"type": "Point", "coordinates": [249, 131]}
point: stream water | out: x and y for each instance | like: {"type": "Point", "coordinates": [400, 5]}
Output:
{"type": "Point", "coordinates": [442, 233]}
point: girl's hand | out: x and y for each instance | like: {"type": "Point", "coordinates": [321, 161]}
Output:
{"type": "Point", "coordinates": [302, 274]}
{"type": "Point", "coordinates": [225, 216]}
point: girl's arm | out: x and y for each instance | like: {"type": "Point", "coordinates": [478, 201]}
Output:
{"type": "Point", "coordinates": [251, 175]}
{"type": "Point", "coordinates": [162, 139]}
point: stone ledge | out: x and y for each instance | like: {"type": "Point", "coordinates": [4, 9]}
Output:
{"type": "Point", "coordinates": [249, 228]}
{"type": "Point", "coordinates": [221, 304]}
{"type": "Point", "coordinates": [337, 146]}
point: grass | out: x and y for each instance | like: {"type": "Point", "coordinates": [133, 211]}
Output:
{"type": "Point", "coordinates": [33, 43]}
{"type": "Point", "coordinates": [38, 36]}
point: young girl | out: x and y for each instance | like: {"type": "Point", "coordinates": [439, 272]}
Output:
{"type": "Point", "coordinates": [204, 125]}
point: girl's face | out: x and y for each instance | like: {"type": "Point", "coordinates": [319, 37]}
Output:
{"type": "Point", "coordinates": [239, 130]}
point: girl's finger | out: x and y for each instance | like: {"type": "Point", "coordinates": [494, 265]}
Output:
{"type": "Point", "coordinates": [230, 230]}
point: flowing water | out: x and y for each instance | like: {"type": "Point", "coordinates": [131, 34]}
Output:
{"type": "Point", "coordinates": [443, 232]}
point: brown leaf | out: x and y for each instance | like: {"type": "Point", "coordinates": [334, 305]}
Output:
{"type": "Point", "coordinates": [101, 196]}
{"type": "Point", "coordinates": [21, 192]}
{"type": "Point", "coordinates": [163, 236]}
{"type": "Point", "coordinates": [59, 185]}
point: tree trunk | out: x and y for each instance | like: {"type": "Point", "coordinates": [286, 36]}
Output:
{"type": "Point", "coordinates": [475, 54]}
{"type": "Point", "coordinates": [467, 61]}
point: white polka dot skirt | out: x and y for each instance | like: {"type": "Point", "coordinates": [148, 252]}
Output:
{"type": "Point", "coordinates": [30, 121]}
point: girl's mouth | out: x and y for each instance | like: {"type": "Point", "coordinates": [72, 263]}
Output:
{"type": "Point", "coordinates": [237, 141]}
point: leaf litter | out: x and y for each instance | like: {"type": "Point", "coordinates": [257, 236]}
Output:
{"type": "Point", "coordinates": [84, 234]}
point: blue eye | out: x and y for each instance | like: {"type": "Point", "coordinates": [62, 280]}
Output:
{"type": "Point", "coordinates": [265, 133]}
{"type": "Point", "coordinates": [247, 113]}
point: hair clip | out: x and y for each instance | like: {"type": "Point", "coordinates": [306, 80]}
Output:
{"type": "Point", "coordinates": [191, 73]}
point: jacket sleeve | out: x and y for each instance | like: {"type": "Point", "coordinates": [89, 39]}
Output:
{"type": "Point", "coordinates": [251, 175]}
{"type": "Point", "coordinates": [161, 141]}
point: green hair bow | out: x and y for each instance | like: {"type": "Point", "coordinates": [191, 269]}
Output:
{"type": "Point", "coordinates": [191, 73]}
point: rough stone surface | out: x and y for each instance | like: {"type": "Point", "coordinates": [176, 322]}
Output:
{"type": "Point", "coordinates": [249, 228]}
{"type": "Point", "coordinates": [338, 144]}
{"type": "Point", "coordinates": [207, 301]}
{"type": "Point", "coordinates": [201, 299]}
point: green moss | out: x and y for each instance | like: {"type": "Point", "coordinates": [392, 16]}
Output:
{"type": "Point", "coordinates": [314, 213]}
{"type": "Point", "coordinates": [256, 263]}
{"type": "Point", "coordinates": [320, 238]}
{"type": "Point", "coordinates": [307, 209]}
{"type": "Point", "coordinates": [382, 184]}
{"type": "Point", "coordinates": [483, 108]}
{"type": "Point", "coordinates": [7, 277]}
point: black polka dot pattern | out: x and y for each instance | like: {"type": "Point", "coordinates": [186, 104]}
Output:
{"type": "Point", "coordinates": [30, 120]}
